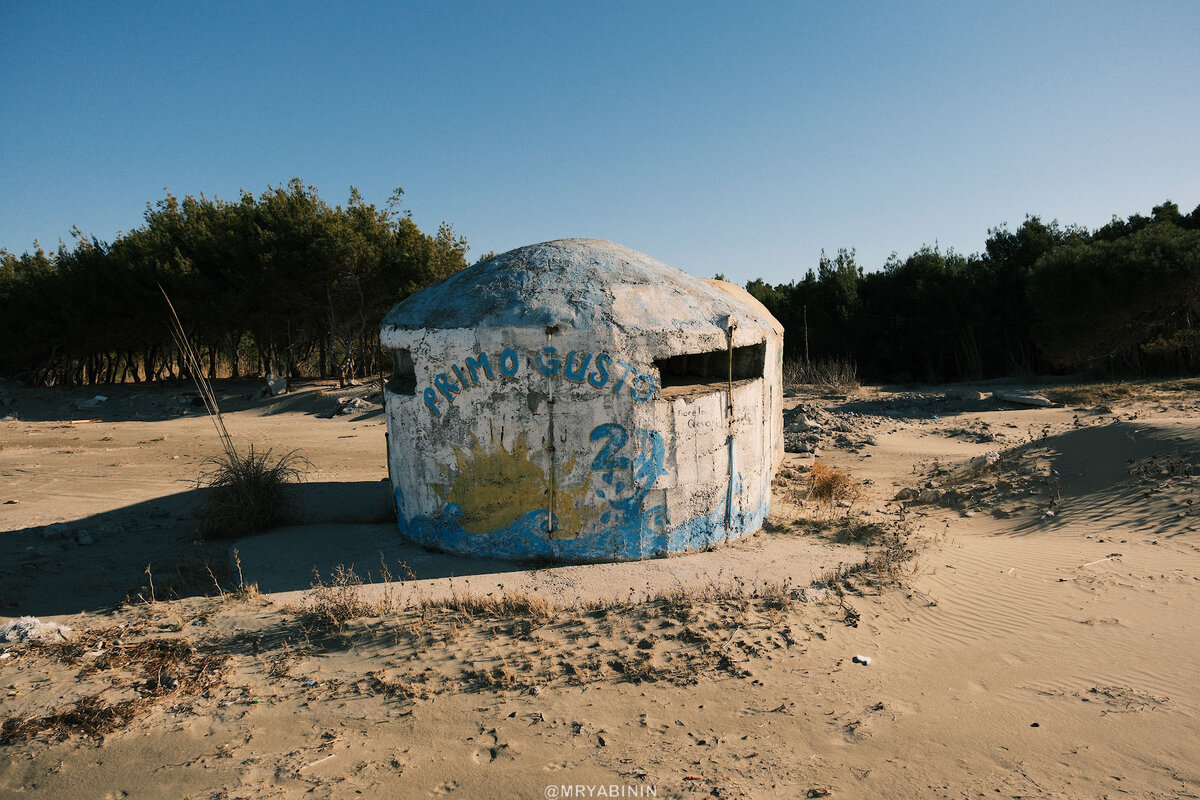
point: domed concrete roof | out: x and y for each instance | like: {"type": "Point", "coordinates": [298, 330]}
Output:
{"type": "Point", "coordinates": [577, 283]}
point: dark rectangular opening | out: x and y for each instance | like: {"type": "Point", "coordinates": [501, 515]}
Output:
{"type": "Point", "coordinates": [703, 369]}
{"type": "Point", "coordinates": [403, 379]}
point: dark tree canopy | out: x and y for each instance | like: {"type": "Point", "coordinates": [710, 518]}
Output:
{"type": "Point", "coordinates": [1043, 297]}
{"type": "Point", "coordinates": [282, 282]}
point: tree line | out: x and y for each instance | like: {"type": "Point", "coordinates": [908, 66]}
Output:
{"type": "Point", "coordinates": [1123, 299]}
{"type": "Point", "coordinates": [280, 283]}
{"type": "Point", "coordinates": [286, 283]}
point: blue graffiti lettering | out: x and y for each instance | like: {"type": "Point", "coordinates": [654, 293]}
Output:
{"type": "Point", "coordinates": [640, 385]}
{"type": "Point", "coordinates": [617, 386]}
{"type": "Point", "coordinates": [445, 385]}
{"type": "Point", "coordinates": [473, 367]}
{"type": "Point", "coordinates": [649, 391]}
{"type": "Point", "coordinates": [509, 362]}
{"type": "Point", "coordinates": [573, 374]}
{"type": "Point", "coordinates": [431, 401]}
{"type": "Point", "coordinates": [600, 376]}
{"type": "Point", "coordinates": [550, 368]}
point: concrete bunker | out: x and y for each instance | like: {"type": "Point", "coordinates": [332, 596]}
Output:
{"type": "Point", "coordinates": [576, 400]}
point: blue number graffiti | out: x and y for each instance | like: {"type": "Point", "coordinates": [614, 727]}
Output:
{"type": "Point", "coordinates": [625, 500]}
{"type": "Point", "coordinates": [607, 458]}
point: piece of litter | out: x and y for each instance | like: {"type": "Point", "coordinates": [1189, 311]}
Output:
{"type": "Point", "coordinates": [318, 761]}
{"type": "Point", "coordinates": [32, 629]}
{"type": "Point", "coordinates": [864, 660]}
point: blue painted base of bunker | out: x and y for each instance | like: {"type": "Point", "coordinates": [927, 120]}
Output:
{"type": "Point", "coordinates": [577, 401]}
{"type": "Point", "coordinates": [646, 535]}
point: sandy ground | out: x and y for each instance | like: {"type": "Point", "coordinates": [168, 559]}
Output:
{"type": "Point", "coordinates": [1041, 643]}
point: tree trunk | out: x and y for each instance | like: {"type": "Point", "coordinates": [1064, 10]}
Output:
{"type": "Point", "coordinates": [235, 340]}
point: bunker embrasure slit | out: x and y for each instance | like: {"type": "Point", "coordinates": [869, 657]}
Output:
{"type": "Point", "coordinates": [403, 380]}
{"type": "Point", "coordinates": [688, 371]}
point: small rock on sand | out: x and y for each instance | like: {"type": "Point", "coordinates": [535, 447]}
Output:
{"type": "Point", "coordinates": [1023, 398]}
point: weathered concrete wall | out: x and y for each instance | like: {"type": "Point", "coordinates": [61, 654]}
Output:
{"type": "Point", "coordinates": [545, 432]}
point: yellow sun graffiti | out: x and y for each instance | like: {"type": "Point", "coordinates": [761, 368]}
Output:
{"type": "Point", "coordinates": [495, 487]}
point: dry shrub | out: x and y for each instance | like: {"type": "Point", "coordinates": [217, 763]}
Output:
{"type": "Point", "coordinates": [1091, 394]}
{"type": "Point", "coordinates": [90, 716]}
{"type": "Point", "coordinates": [329, 606]}
{"type": "Point", "coordinates": [890, 561]}
{"type": "Point", "coordinates": [834, 375]}
{"type": "Point", "coordinates": [156, 669]}
{"type": "Point", "coordinates": [830, 484]}
{"type": "Point", "coordinates": [248, 491]}
{"type": "Point", "coordinates": [393, 686]}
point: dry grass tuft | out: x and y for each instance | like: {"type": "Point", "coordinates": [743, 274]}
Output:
{"type": "Point", "coordinates": [509, 605]}
{"type": "Point", "coordinates": [329, 606]}
{"type": "Point", "coordinates": [830, 484]}
{"type": "Point", "coordinates": [248, 491]}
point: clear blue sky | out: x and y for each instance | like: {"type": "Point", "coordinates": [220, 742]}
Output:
{"type": "Point", "coordinates": [718, 137]}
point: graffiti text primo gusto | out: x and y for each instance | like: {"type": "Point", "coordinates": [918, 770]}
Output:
{"type": "Point", "coordinates": [600, 372]}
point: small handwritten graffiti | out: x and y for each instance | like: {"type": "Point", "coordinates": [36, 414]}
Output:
{"type": "Point", "coordinates": [605, 371]}
{"type": "Point", "coordinates": [628, 480]}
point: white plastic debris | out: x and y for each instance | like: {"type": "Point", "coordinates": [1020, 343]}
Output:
{"type": "Point", "coordinates": [32, 629]}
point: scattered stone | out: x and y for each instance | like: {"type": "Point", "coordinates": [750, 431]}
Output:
{"type": "Point", "coordinates": [58, 530]}
{"type": "Point", "coordinates": [930, 495]}
{"type": "Point", "coordinates": [276, 384]}
{"type": "Point", "coordinates": [817, 593]}
{"type": "Point", "coordinates": [986, 460]}
{"type": "Point", "coordinates": [84, 537]}
{"type": "Point", "coordinates": [908, 493]}
{"type": "Point", "coordinates": [351, 405]}
{"type": "Point", "coordinates": [1024, 398]}
{"type": "Point", "coordinates": [864, 660]}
